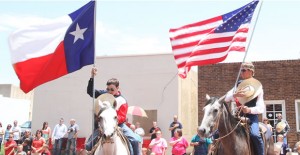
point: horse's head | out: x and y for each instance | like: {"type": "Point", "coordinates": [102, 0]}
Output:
{"type": "Point", "coordinates": [210, 118]}
{"type": "Point", "coordinates": [107, 119]}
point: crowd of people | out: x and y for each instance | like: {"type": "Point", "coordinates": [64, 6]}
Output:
{"type": "Point", "coordinates": [27, 143]}
{"type": "Point", "coordinates": [203, 145]}
{"type": "Point", "coordinates": [158, 145]}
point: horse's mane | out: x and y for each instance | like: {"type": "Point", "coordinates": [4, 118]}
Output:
{"type": "Point", "coordinates": [232, 120]}
{"type": "Point", "coordinates": [239, 130]}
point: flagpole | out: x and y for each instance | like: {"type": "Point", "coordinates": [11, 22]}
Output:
{"type": "Point", "coordinates": [248, 45]}
{"type": "Point", "coordinates": [94, 65]}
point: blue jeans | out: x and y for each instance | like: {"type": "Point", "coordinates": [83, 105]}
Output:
{"type": "Point", "coordinates": [285, 140]}
{"type": "Point", "coordinates": [71, 146]}
{"type": "Point", "coordinates": [131, 136]}
{"type": "Point", "coordinates": [57, 146]}
{"type": "Point", "coordinates": [255, 134]}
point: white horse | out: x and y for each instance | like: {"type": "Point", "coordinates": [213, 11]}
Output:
{"type": "Point", "coordinates": [112, 141]}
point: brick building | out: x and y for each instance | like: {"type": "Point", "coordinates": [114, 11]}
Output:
{"type": "Point", "coordinates": [280, 80]}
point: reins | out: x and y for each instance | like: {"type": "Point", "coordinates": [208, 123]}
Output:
{"type": "Point", "coordinates": [217, 141]}
{"type": "Point", "coordinates": [219, 117]}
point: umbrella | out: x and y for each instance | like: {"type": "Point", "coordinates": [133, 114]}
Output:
{"type": "Point", "coordinates": [137, 111]}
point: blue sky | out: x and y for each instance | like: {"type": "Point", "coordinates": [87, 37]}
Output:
{"type": "Point", "coordinates": [141, 27]}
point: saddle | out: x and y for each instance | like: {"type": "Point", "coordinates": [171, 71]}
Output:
{"type": "Point", "coordinates": [264, 130]}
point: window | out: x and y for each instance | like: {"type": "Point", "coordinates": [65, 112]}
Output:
{"type": "Point", "coordinates": [297, 107]}
{"type": "Point", "coordinates": [273, 107]}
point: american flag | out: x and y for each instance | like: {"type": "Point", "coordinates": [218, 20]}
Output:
{"type": "Point", "coordinates": [209, 41]}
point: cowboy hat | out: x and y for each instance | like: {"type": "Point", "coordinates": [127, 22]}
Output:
{"type": "Point", "coordinates": [102, 99]}
{"type": "Point", "coordinates": [280, 126]}
{"type": "Point", "coordinates": [251, 88]}
{"type": "Point", "coordinates": [248, 65]}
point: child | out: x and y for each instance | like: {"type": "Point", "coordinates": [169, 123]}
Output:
{"type": "Point", "coordinates": [27, 146]}
{"type": "Point", "coordinates": [280, 144]}
{"type": "Point", "coordinates": [20, 150]}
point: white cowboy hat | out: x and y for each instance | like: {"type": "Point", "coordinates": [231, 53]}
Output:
{"type": "Point", "coordinates": [280, 126]}
{"type": "Point", "coordinates": [248, 65]}
{"type": "Point", "coordinates": [104, 98]}
{"type": "Point", "coordinates": [251, 87]}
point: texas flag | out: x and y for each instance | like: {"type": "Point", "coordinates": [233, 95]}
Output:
{"type": "Point", "coordinates": [47, 51]}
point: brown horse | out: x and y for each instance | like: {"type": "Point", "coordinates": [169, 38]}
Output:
{"type": "Point", "coordinates": [233, 138]}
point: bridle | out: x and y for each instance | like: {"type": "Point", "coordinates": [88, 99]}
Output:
{"type": "Point", "coordinates": [117, 132]}
{"type": "Point", "coordinates": [103, 139]}
{"type": "Point", "coordinates": [109, 139]}
{"type": "Point", "coordinates": [216, 126]}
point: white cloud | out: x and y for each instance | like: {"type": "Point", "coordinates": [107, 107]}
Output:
{"type": "Point", "coordinates": [10, 22]}
{"type": "Point", "coordinates": [113, 41]}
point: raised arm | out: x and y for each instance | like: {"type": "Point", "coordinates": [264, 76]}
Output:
{"type": "Point", "coordinates": [90, 89]}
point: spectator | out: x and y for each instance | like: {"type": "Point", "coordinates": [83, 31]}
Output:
{"type": "Point", "coordinates": [282, 127]}
{"type": "Point", "coordinates": [153, 130]}
{"type": "Point", "coordinates": [46, 132]}
{"type": "Point", "coordinates": [266, 122]}
{"type": "Point", "coordinates": [20, 150]}
{"type": "Point", "coordinates": [179, 143]}
{"type": "Point", "coordinates": [159, 144]}
{"type": "Point", "coordinates": [132, 127]}
{"type": "Point", "coordinates": [37, 143]}
{"type": "Point", "coordinates": [175, 125]}
{"type": "Point", "coordinates": [10, 145]}
{"type": "Point", "coordinates": [201, 144]}
{"type": "Point", "coordinates": [280, 145]}
{"type": "Point", "coordinates": [27, 142]}
{"type": "Point", "coordinates": [1, 135]}
{"type": "Point", "coordinates": [72, 137]}
{"type": "Point", "coordinates": [139, 130]}
{"type": "Point", "coordinates": [8, 131]}
{"type": "Point", "coordinates": [296, 147]}
{"type": "Point", "coordinates": [17, 132]}
{"type": "Point", "coordinates": [58, 134]}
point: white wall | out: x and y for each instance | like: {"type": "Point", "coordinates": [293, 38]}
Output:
{"type": "Point", "coordinates": [148, 81]}
{"type": "Point", "coordinates": [13, 109]}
